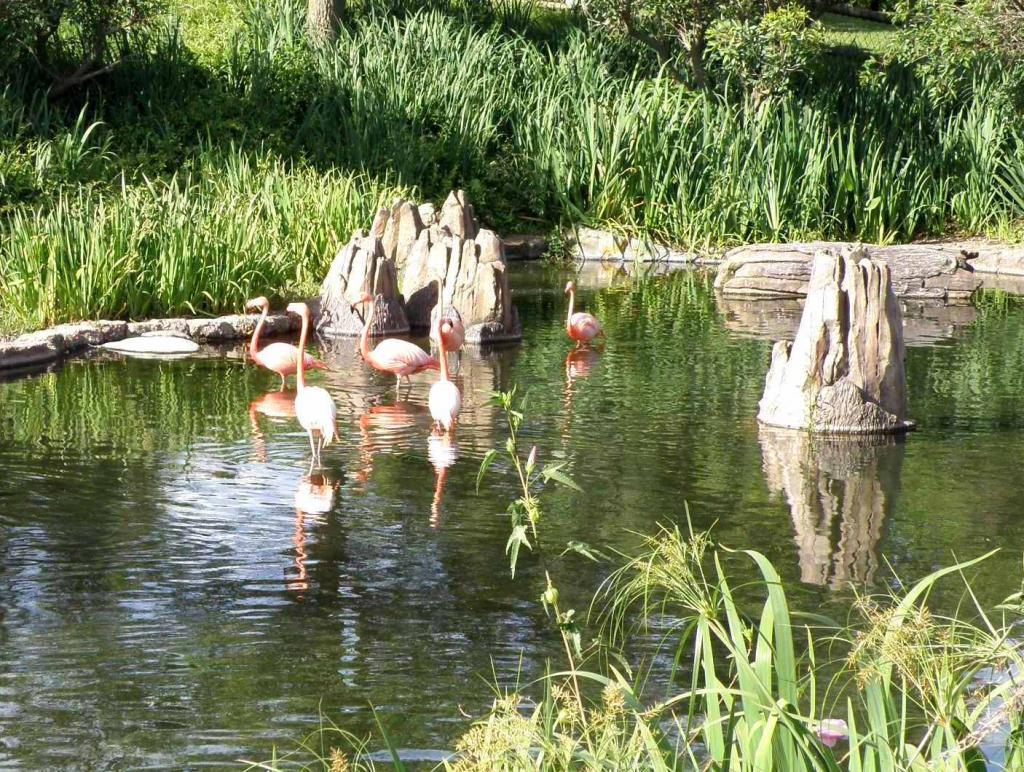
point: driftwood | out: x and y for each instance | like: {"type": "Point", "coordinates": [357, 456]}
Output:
{"type": "Point", "coordinates": [844, 372]}
{"type": "Point", "coordinates": [919, 271]}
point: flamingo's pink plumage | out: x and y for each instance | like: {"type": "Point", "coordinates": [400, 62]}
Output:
{"type": "Point", "coordinates": [581, 327]}
{"type": "Point", "coordinates": [456, 334]}
{"type": "Point", "coordinates": [281, 358]}
{"type": "Point", "coordinates": [393, 355]}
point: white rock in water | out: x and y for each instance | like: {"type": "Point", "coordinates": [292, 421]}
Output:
{"type": "Point", "coordinates": [153, 344]}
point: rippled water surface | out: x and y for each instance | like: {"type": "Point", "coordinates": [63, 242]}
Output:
{"type": "Point", "coordinates": [175, 590]}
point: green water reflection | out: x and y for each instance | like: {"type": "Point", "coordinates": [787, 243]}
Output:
{"type": "Point", "coordinates": [175, 590]}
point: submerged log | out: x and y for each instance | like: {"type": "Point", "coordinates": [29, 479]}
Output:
{"type": "Point", "coordinates": [918, 271]}
{"type": "Point", "coordinates": [844, 372]}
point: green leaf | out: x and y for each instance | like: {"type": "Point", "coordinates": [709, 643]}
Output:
{"type": "Point", "coordinates": [553, 472]}
{"type": "Point", "coordinates": [484, 466]}
{"type": "Point", "coordinates": [516, 539]}
{"type": "Point", "coordinates": [584, 549]}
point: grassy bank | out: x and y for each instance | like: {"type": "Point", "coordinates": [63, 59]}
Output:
{"type": "Point", "coordinates": [225, 156]}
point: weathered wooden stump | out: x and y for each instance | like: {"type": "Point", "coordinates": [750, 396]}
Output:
{"type": "Point", "coordinates": [844, 372]}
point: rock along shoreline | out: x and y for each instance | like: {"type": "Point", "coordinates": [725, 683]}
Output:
{"type": "Point", "coordinates": [37, 349]}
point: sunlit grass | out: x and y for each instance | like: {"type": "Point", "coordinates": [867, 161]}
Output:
{"type": "Point", "coordinates": [870, 36]}
{"type": "Point", "coordinates": [540, 135]}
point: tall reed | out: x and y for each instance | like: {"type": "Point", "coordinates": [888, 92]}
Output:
{"type": "Point", "coordinates": [200, 242]}
{"type": "Point", "coordinates": [564, 128]}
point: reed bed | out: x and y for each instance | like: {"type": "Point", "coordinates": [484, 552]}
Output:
{"type": "Point", "coordinates": [126, 210]}
{"type": "Point", "coordinates": [202, 242]}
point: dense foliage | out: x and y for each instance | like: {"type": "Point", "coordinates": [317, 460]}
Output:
{"type": "Point", "coordinates": [543, 117]}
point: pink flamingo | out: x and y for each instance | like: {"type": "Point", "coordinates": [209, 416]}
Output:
{"type": "Point", "coordinates": [454, 339]}
{"type": "Point", "coordinates": [282, 358]}
{"type": "Point", "coordinates": [314, 407]}
{"type": "Point", "coordinates": [582, 327]}
{"type": "Point", "coordinates": [445, 401]}
{"type": "Point", "coordinates": [393, 355]}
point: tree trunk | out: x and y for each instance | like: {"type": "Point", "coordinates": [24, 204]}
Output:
{"type": "Point", "coordinates": [844, 372]}
{"type": "Point", "coordinates": [323, 17]}
{"type": "Point", "coordinates": [695, 52]}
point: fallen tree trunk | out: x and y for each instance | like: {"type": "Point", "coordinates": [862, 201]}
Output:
{"type": "Point", "coordinates": [918, 271]}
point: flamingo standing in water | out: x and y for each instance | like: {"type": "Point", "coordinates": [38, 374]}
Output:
{"type": "Point", "coordinates": [314, 407]}
{"type": "Point", "coordinates": [393, 355]}
{"type": "Point", "coordinates": [582, 327]}
{"type": "Point", "coordinates": [456, 336]}
{"type": "Point", "coordinates": [282, 358]}
{"type": "Point", "coordinates": [445, 401]}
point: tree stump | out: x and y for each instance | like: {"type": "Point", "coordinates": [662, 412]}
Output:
{"type": "Point", "coordinates": [844, 372]}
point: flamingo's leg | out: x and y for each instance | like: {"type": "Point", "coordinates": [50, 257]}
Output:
{"type": "Point", "coordinates": [312, 448]}
{"type": "Point", "coordinates": [282, 382]}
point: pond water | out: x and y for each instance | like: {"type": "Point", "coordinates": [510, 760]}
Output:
{"type": "Point", "coordinates": [175, 591]}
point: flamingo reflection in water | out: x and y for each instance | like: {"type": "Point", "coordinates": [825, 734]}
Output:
{"type": "Point", "coordinates": [579, 363]}
{"type": "Point", "coordinates": [273, 404]}
{"type": "Point", "coordinates": [313, 498]}
{"type": "Point", "coordinates": [443, 452]}
{"type": "Point", "coordinates": [390, 427]}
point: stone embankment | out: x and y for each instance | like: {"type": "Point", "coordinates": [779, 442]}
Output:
{"type": "Point", "coordinates": [36, 349]}
{"type": "Point", "coordinates": [409, 246]}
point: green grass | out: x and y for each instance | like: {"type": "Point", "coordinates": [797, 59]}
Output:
{"type": "Point", "coordinates": [201, 242]}
{"type": "Point", "coordinates": [847, 31]}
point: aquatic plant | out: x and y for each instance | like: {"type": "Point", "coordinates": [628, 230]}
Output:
{"type": "Point", "coordinates": [753, 687]}
{"type": "Point", "coordinates": [743, 682]}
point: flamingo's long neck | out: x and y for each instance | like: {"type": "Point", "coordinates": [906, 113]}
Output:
{"type": "Point", "coordinates": [568, 318]}
{"type": "Point", "coordinates": [444, 354]}
{"type": "Point", "coordinates": [300, 373]}
{"type": "Point", "coordinates": [364, 339]}
{"type": "Point", "coordinates": [254, 345]}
